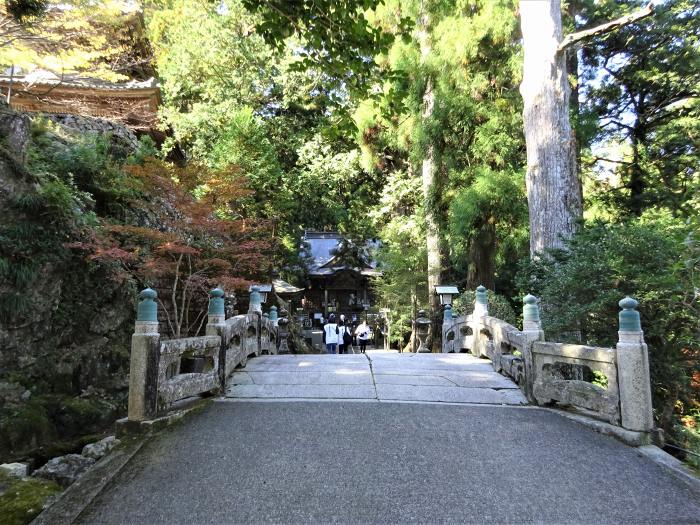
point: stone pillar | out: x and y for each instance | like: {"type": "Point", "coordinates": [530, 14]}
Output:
{"type": "Point", "coordinates": [532, 331]}
{"type": "Point", "coordinates": [255, 303]}
{"type": "Point", "coordinates": [447, 315]}
{"type": "Point", "coordinates": [633, 370]}
{"type": "Point", "coordinates": [217, 313]}
{"type": "Point", "coordinates": [422, 331]}
{"type": "Point", "coordinates": [273, 315]}
{"type": "Point", "coordinates": [143, 368]}
{"type": "Point", "coordinates": [481, 307]}
{"type": "Point", "coordinates": [216, 325]}
{"type": "Point", "coordinates": [283, 333]}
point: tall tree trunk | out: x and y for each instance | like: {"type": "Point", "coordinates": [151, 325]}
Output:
{"type": "Point", "coordinates": [482, 254]}
{"type": "Point", "coordinates": [430, 176]}
{"type": "Point", "coordinates": [637, 181]}
{"type": "Point", "coordinates": [574, 9]}
{"type": "Point", "coordinates": [553, 190]}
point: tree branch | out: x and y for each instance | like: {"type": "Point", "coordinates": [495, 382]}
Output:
{"type": "Point", "coordinates": [603, 159]}
{"type": "Point", "coordinates": [578, 38]}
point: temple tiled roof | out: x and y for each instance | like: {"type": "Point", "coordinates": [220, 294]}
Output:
{"type": "Point", "coordinates": [41, 77]}
{"type": "Point", "coordinates": [321, 249]}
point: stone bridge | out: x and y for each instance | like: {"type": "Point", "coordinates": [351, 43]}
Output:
{"type": "Point", "coordinates": [502, 427]}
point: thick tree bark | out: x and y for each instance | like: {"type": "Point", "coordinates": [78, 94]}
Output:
{"type": "Point", "coordinates": [482, 254]}
{"type": "Point", "coordinates": [553, 193]}
{"type": "Point", "coordinates": [574, 9]}
{"type": "Point", "coordinates": [430, 178]}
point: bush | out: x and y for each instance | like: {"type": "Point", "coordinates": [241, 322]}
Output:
{"type": "Point", "coordinates": [656, 260]}
{"type": "Point", "coordinates": [499, 306]}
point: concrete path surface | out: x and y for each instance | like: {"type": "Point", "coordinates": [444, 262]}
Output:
{"type": "Point", "coordinates": [379, 376]}
{"type": "Point", "coordinates": [359, 462]}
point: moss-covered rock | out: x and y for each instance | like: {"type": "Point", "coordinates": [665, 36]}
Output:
{"type": "Point", "coordinates": [51, 424]}
{"type": "Point", "coordinates": [21, 500]}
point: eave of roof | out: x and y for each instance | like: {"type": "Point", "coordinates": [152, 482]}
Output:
{"type": "Point", "coordinates": [75, 83]}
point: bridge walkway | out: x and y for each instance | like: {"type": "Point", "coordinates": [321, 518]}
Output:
{"type": "Point", "coordinates": [376, 375]}
{"type": "Point", "coordinates": [349, 448]}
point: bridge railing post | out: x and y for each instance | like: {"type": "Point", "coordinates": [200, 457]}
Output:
{"type": "Point", "coordinates": [532, 331]}
{"type": "Point", "coordinates": [255, 307]}
{"type": "Point", "coordinates": [143, 368]}
{"type": "Point", "coordinates": [216, 325]}
{"type": "Point", "coordinates": [481, 310]}
{"type": "Point", "coordinates": [633, 370]}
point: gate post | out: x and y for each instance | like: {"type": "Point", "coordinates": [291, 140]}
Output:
{"type": "Point", "coordinates": [143, 367]}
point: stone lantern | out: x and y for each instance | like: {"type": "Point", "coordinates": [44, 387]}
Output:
{"type": "Point", "coordinates": [446, 293]}
{"type": "Point", "coordinates": [283, 332]}
{"type": "Point", "coordinates": [422, 331]}
{"type": "Point", "coordinates": [263, 290]}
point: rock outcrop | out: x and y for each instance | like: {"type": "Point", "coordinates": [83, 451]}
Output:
{"type": "Point", "coordinates": [65, 470]}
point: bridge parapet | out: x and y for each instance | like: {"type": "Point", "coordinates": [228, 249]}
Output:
{"type": "Point", "coordinates": [611, 384]}
{"type": "Point", "coordinates": [164, 371]}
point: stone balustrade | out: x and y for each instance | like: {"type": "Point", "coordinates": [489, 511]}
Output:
{"type": "Point", "coordinates": [164, 371]}
{"type": "Point", "coordinates": [611, 384]}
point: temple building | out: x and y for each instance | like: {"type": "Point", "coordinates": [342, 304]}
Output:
{"type": "Point", "coordinates": [133, 104]}
{"type": "Point", "coordinates": [339, 276]}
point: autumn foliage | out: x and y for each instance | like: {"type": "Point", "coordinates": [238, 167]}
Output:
{"type": "Point", "coordinates": [189, 239]}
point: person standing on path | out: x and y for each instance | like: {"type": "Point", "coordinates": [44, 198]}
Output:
{"type": "Point", "coordinates": [363, 332]}
{"type": "Point", "coordinates": [341, 331]}
{"type": "Point", "coordinates": [345, 342]}
{"type": "Point", "coordinates": [331, 335]}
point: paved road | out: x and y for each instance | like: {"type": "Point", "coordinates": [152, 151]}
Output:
{"type": "Point", "coordinates": [373, 462]}
{"type": "Point", "coordinates": [382, 376]}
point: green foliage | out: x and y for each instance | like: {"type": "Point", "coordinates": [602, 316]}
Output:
{"type": "Point", "coordinates": [268, 123]}
{"type": "Point", "coordinates": [212, 67]}
{"type": "Point", "coordinates": [640, 88]}
{"type": "Point", "coordinates": [337, 36]}
{"type": "Point", "coordinates": [474, 137]}
{"type": "Point", "coordinates": [23, 499]}
{"type": "Point", "coordinates": [687, 436]}
{"type": "Point", "coordinates": [22, 10]}
{"type": "Point", "coordinates": [499, 306]}
{"type": "Point", "coordinates": [147, 148]}
{"type": "Point", "coordinates": [656, 260]}
{"type": "Point", "coordinates": [487, 221]}
{"type": "Point", "coordinates": [75, 177]}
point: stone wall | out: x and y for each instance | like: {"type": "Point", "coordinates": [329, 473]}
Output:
{"type": "Point", "coordinates": [64, 357]}
{"type": "Point", "coordinates": [121, 135]}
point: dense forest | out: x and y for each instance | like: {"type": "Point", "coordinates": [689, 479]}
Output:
{"type": "Point", "coordinates": [409, 122]}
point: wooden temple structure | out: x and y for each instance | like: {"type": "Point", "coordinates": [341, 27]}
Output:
{"type": "Point", "coordinates": [334, 286]}
{"type": "Point", "coordinates": [133, 104]}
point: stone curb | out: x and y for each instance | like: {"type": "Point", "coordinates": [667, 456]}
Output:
{"type": "Point", "coordinates": [180, 410]}
{"type": "Point", "coordinates": [76, 498]}
{"type": "Point", "coordinates": [628, 437]}
{"type": "Point", "coordinates": [81, 493]}
{"type": "Point", "coordinates": [641, 441]}
{"type": "Point", "coordinates": [673, 466]}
